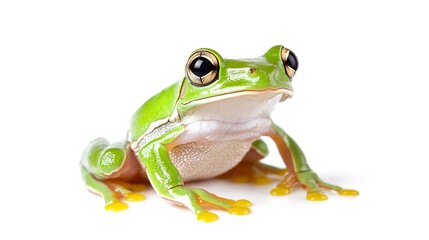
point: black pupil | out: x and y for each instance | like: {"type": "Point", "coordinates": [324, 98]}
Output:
{"type": "Point", "coordinates": [292, 61]}
{"type": "Point", "coordinates": [200, 66]}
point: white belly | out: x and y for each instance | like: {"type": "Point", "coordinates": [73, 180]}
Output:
{"type": "Point", "coordinates": [204, 160]}
{"type": "Point", "coordinates": [209, 148]}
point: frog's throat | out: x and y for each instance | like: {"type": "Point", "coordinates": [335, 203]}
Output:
{"type": "Point", "coordinates": [175, 118]}
{"type": "Point", "coordinates": [287, 93]}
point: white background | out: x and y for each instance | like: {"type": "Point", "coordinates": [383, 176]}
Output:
{"type": "Point", "coordinates": [76, 70]}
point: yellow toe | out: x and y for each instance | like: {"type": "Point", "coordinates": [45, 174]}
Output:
{"type": "Point", "coordinates": [116, 206]}
{"type": "Point", "coordinates": [239, 210]}
{"type": "Point", "coordinates": [316, 196]}
{"type": "Point", "coordinates": [207, 217]}
{"type": "Point", "coordinates": [240, 179]}
{"type": "Point", "coordinates": [135, 197]}
{"type": "Point", "coordinates": [261, 180]}
{"type": "Point", "coordinates": [280, 191]}
{"type": "Point", "coordinates": [138, 187]}
{"type": "Point", "coordinates": [348, 192]}
{"type": "Point", "coordinates": [242, 203]}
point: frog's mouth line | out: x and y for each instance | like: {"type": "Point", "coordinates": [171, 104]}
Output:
{"type": "Point", "coordinates": [286, 93]}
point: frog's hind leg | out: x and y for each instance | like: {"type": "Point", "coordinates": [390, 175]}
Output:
{"type": "Point", "coordinates": [105, 170]}
{"type": "Point", "coordinates": [250, 169]}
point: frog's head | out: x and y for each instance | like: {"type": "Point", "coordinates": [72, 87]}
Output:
{"type": "Point", "coordinates": [212, 79]}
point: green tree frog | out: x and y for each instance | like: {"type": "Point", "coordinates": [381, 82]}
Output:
{"type": "Point", "coordinates": [208, 124]}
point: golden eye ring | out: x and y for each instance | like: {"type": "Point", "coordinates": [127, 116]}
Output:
{"type": "Point", "coordinates": [290, 62]}
{"type": "Point", "coordinates": [202, 68]}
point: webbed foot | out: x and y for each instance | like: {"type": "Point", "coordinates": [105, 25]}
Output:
{"type": "Point", "coordinates": [312, 183]}
{"type": "Point", "coordinates": [122, 190]}
{"type": "Point", "coordinates": [199, 201]}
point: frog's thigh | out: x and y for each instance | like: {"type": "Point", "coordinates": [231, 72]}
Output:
{"type": "Point", "coordinates": [250, 169]}
{"type": "Point", "coordinates": [104, 168]}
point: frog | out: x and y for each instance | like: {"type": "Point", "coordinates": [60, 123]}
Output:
{"type": "Point", "coordinates": [208, 124]}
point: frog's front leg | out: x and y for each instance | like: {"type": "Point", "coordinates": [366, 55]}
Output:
{"type": "Point", "coordinates": [168, 183]}
{"type": "Point", "coordinates": [299, 171]}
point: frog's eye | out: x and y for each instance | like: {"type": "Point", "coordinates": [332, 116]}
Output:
{"type": "Point", "coordinates": [290, 62]}
{"type": "Point", "coordinates": [202, 68]}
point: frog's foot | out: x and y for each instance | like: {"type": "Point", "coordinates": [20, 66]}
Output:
{"type": "Point", "coordinates": [102, 164]}
{"type": "Point", "coordinates": [312, 183]}
{"type": "Point", "coordinates": [113, 191]}
{"type": "Point", "coordinates": [123, 190]}
{"type": "Point", "coordinates": [252, 172]}
{"type": "Point", "coordinates": [199, 201]}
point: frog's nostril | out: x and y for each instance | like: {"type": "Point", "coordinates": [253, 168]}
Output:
{"type": "Point", "coordinates": [252, 70]}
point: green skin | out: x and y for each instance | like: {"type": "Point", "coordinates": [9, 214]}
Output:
{"type": "Point", "coordinates": [102, 159]}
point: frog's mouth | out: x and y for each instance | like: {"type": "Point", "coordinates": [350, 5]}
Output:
{"type": "Point", "coordinates": [239, 107]}
{"type": "Point", "coordinates": [286, 93]}
{"type": "Point", "coordinates": [233, 109]}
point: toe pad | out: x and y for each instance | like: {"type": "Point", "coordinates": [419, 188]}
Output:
{"type": "Point", "coordinates": [207, 217]}
{"type": "Point", "coordinates": [239, 210]}
{"type": "Point", "coordinates": [135, 197]}
{"type": "Point", "coordinates": [316, 196]}
{"type": "Point", "coordinates": [116, 206]}
{"type": "Point", "coordinates": [242, 203]}
{"type": "Point", "coordinates": [279, 191]}
{"type": "Point", "coordinates": [348, 192]}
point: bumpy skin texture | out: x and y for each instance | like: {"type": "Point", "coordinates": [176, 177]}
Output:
{"type": "Point", "coordinates": [190, 131]}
